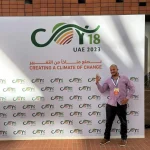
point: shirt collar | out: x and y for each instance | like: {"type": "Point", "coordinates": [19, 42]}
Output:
{"type": "Point", "coordinates": [117, 78]}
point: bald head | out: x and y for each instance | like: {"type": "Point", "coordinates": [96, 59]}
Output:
{"type": "Point", "coordinates": [113, 65]}
{"type": "Point", "coordinates": [114, 70]}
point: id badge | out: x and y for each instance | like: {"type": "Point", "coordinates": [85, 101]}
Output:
{"type": "Point", "coordinates": [116, 91]}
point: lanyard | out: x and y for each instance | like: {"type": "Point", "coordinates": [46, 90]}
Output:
{"type": "Point", "coordinates": [116, 82]}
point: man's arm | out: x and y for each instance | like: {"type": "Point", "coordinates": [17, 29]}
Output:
{"type": "Point", "coordinates": [103, 88]}
{"type": "Point", "coordinates": [131, 88]}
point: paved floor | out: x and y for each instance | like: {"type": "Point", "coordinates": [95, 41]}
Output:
{"type": "Point", "coordinates": [133, 144]}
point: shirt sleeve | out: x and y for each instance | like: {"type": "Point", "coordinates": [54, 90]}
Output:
{"type": "Point", "coordinates": [102, 88]}
{"type": "Point", "coordinates": [131, 88]}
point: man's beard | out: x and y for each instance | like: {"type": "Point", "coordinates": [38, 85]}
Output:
{"type": "Point", "coordinates": [115, 74]}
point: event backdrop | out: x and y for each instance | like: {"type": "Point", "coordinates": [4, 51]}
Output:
{"type": "Point", "coordinates": [48, 68]}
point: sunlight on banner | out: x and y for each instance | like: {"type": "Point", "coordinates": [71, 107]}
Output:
{"type": "Point", "coordinates": [15, 85]}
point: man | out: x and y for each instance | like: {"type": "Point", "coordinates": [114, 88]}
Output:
{"type": "Point", "coordinates": [121, 90]}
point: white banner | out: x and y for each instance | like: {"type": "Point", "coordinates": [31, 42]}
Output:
{"type": "Point", "coordinates": [48, 68]}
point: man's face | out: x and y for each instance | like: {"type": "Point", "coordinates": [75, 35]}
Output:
{"type": "Point", "coordinates": [113, 70]}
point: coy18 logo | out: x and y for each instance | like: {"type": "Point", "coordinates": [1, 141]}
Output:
{"type": "Point", "coordinates": [3, 115]}
{"type": "Point", "coordinates": [57, 98]}
{"type": "Point", "coordinates": [87, 106]}
{"type": "Point", "coordinates": [58, 114]}
{"type": "Point", "coordinates": [38, 132]}
{"type": "Point", "coordinates": [115, 130]}
{"type": "Point", "coordinates": [29, 107]}
{"type": "Point", "coordinates": [38, 80]}
{"type": "Point", "coordinates": [77, 131]}
{"type": "Point", "coordinates": [20, 132]}
{"type": "Point", "coordinates": [95, 131]}
{"type": "Point", "coordinates": [3, 99]}
{"type": "Point", "coordinates": [91, 79]}
{"type": "Point", "coordinates": [76, 113]}
{"type": "Point", "coordinates": [87, 122]}
{"type": "Point", "coordinates": [30, 123]}
{"type": "Point", "coordinates": [38, 114]}
{"type": "Point", "coordinates": [38, 98]}
{"type": "Point", "coordinates": [19, 81]}
{"type": "Point", "coordinates": [67, 106]}
{"type": "Point", "coordinates": [28, 89]}
{"type": "Point", "coordinates": [102, 105]}
{"type": "Point", "coordinates": [66, 88]}
{"type": "Point", "coordinates": [47, 106]}
{"type": "Point", "coordinates": [9, 107]}
{"type": "Point", "coordinates": [48, 122]}
{"type": "Point", "coordinates": [135, 97]}
{"type": "Point", "coordinates": [19, 114]}
{"type": "Point", "coordinates": [2, 81]}
{"type": "Point", "coordinates": [133, 130]}
{"type": "Point", "coordinates": [94, 97]}
{"type": "Point", "coordinates": [63, 34]}
{"type": "Point", "coordinates": [57, 131]}
{"type": "Point", "coordinates": [85, 88]}
{"type": "Point", "coordinates": [133, 113]}
{"type": "Point", "coordinates": [76, 80]}
{"type": "Point", "coordinates": [10, 123]}
{"type": "Point", "coordinates": [102, 121]}
{"type": "Point", "coordinates": [75, 97]}
{"type": "Point", "coordinates": [134, 79]}
{"type": "Point", "coordinates": [19, 98]}
{"type": "Point", "coordinates": [68, 122]}
{"type": "Point", "coordinates": [48, 89]}
{"type": "Point", "coordinates": [56, 80]}
{"type": "Point", "coordinates": [3, 133]}
{"type": "Point", "coordinates": [94, 113]}
{"type": "Point", "coordinates": [9, 89]}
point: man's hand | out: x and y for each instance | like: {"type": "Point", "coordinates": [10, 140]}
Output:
{"type": "Point", "coordinates": [124, 101]}
{"type": "Point", "coordinates": [98, 78]}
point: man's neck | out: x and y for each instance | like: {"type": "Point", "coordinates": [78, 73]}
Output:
{"type": "Point", "coordinates": [115, 77]}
